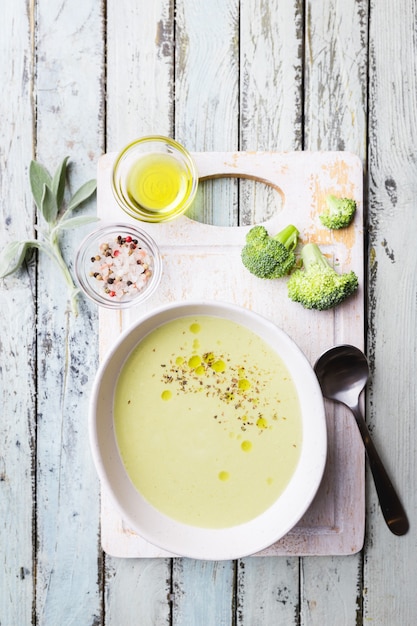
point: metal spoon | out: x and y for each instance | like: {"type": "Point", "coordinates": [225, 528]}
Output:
{"type": "Point", "coordinates": [343, 373]}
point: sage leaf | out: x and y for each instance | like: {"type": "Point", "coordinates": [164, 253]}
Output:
{"type": "Point", "coordinates": [38, 177]}
{"type": "Point", "coordinates": [49, 196]}
{"type": "Point", "coordinates": [12, 257]}
{"type": "Point", "coordinates": [49, 207]}
{"type": "Point", "coordinates": [58, 182]}
{"type": "Point", "coordinates": [72, 222]}
{"type": "Point", "coordinates": [82, 194]}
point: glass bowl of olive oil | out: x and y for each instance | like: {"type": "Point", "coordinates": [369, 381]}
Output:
{"type": "Point", "coordinates": [154, 179]}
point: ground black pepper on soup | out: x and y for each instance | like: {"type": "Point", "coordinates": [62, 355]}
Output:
{"type": "Point", "coordinates": [207, 421]}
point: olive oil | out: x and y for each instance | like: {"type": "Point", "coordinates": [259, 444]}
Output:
{"type": "Point", "coordinates": [158, 183]}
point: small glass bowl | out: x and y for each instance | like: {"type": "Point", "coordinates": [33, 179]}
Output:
{"type": "Point", "coordinates": [154, 179]}
{"type": "Point", "coordinates": [118, 266]}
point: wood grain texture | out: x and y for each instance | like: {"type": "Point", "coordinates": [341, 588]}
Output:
{"type": "Point", "coordinates": [140, 70]}
{"type": "Point", "coordinates": [392, 317]}
{"type": "Point", "coordinates": [267, 591]}
{"type": "Point", "coordinates": [239, 74]}
{"type": "Point", "coordinates": [203, 592]}
{"type": "Point", "coordinates": [17, 324]}
{"type": "Point", "coordinates": [138, 592]}
{"type": "Point", "coordinates": [335, 76]}
{"type": "Point", "coordinates": [270, 91]}
{"type": "Point", "coordinates": [67, 589]}
{"type": "Point", "coordinates": [206, 117]}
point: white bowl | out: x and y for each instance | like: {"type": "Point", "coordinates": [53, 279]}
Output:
{"type": "Point", "coordinates": [177, 537]}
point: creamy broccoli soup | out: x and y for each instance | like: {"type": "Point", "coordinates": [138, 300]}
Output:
{"type": "Point", "coordinates": [207, 421]}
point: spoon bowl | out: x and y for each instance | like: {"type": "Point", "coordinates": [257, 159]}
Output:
{"type": "Point", "coordinates": [343, 372]}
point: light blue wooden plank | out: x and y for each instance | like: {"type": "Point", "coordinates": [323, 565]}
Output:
{"type": "Point", "coordinates": [140, 70]}
{"type": "Point", "coordinates": [69, 565]}
{"type": "Point", "coordinates": [268, 591]}
{"type": "Point", "coordinates": [331, 591]}
{"type": "Point", "coordinates": [68, 572]}
{"type": "Point", "coordinates": [390, 566]}
{"type": "Point", "coordinates": [207, 96]}
{"type": "Point", "coordinates": [203, 592]}
{"type": "Point", "coordinates": [336, 76]}
{"type": "Point", "coordinates": [69, 107]}
{"type": "Point", "coordinates": [271, 115]}
{"type": "Point", "coordinates": [17, 428]}
{"type": "Point", "coordinates": [17, 322]}
{"type": "Point", "coordinates": [138, 592]}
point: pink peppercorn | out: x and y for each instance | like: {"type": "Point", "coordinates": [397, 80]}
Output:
{"type": "Point", "coordinates": [124, 266]}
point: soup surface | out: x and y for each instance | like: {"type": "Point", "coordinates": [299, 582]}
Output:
{"type": "Point", "coordinates": [207, 421]}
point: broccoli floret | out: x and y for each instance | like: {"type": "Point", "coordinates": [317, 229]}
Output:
{"type": "Point", "coordinates": [318, 285]}
{"type": "Point", "coordinates": [270, 257]}
{"type": "Point", "coordinates": [339, 213]}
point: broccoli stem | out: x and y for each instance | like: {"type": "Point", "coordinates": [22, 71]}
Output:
{"type": "Point", "coordinates": [312, 255]}
{"type": "Point", "coordinates": [333, 203]}
{"type": "Point", "coordinates": [288, 237]}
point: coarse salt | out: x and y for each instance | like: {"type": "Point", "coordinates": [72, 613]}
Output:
{"type": "Point", "coordinates": [122, 268]}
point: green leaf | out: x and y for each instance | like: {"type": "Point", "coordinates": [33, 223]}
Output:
{"type": "Point", "coordinates": [12, 257]}
{"type": "Point", "coordinates": [73, 222]}
{"type": "Point", "coordinates": [49, 207]}
{"type": "Point", "coordinates": [59, 181]}
{"type": "Point", "coordinates": [38, 177]}
{"type": "Point", "coordinates": [82, 194]}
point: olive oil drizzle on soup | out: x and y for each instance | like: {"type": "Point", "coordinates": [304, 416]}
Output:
{"type": "Point", "coordinates": [207, 421]}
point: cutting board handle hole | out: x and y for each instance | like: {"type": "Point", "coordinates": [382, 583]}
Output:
{"type": "Point", "coordinates": [243, 199]}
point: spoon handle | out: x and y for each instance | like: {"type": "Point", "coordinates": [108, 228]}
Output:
{"type": "Point", "coordinates": [392, 509]}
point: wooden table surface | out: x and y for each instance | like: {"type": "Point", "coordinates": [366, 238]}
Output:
{"type": "Point", "coordinates": [84, 78]}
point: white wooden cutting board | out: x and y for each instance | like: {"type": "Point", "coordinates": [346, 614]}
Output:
{"type": "Point", "coordinates": [202, 262]}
